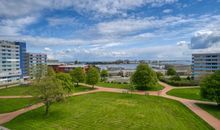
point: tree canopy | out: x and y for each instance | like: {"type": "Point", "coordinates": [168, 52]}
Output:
{"type": "Point", "coordinates": [210, 87]}
{"type": "Point", "coordinates": [78, 75]}
{"type": "Point", "coordinates": [171, 71]}
{"type": "Point", "coordinates": [104, 75]}
{"type": "Point", "coordinates": [49, 90]}
{"type": "Point", "coordinates": [92, 76]}
{"type": "Point", "coordinates": [65, 79]}
{"type": "Point", "coordinates": [144, 77]}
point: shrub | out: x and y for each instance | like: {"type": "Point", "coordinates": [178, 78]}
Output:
{"type": "Point", "coordinates": [180, 83]}
{"type": "Point", "coordinates": [175, 78]}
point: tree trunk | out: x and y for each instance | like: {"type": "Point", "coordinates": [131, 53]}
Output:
{"type": "Point", "coordinates": [47, 104]}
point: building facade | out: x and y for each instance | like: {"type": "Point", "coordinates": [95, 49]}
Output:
{"type": "Point", "coordinates": [22, 58]}
{"type": "Point", "coordinates": [36, 64]}
{"type": "Point", "coordinates": [204, 63]}
{"type": "Point", "coordinates": [10, 71]}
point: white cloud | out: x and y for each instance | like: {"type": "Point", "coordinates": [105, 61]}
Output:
{"type": "Point", "coordinates": [182, 43]}
{"type": "Point", "coordinates": [167, 11]}
{"type": "Point", "coordinates": [48, 49]}
{"type": "Point", "coordinates": [61, 21]}
{"type": "Point", "coordinates": [125, 26]}
{"type": "Point", "coordinates": [205, 39]}
{"type": "Point", "coordinates": [15, 8]}
{"type": "Point", "coordinates": [116, 6]}
{"type": "Point", "coordinates": [14, 26]}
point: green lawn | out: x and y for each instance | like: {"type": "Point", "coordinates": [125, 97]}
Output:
{"type": "Point", "coordinates": [113, 85]}
{"type": "Point", "coordinates": [125, 86]}
{"type": "Point", "coordinates": [111, 111]}
{"type": "Point", "coordinates": [21, 90]}
{"type": "Point", "coordinates": [212, 109]}
{"type": "Point", "coordinates": [188, 93]}
{"type": "Point", "coordinates": [81, 88]}
{"type": "Point", "coordinates": [9, 105]}
{"type": "Point", "coordinates": [12, 91]}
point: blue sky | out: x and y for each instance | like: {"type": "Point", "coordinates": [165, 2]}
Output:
{"type": "Point", "coordinates": [89, 30]}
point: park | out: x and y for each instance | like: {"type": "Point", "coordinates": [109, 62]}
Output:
{"type": "Point", "coordinates": [80, 100]}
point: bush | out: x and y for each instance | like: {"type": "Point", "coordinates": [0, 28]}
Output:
{"type": "Point", "coordinates": [188, 78]}
{"type": "Point", "coordinates": [175, 78]}
{"type": "Point", "coordinates": [180, 83]}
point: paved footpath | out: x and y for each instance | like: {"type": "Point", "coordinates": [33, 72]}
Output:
{"type": "Point", "coordinates": [214, 122]}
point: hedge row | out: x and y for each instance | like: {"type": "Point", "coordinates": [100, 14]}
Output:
{"type": "Point", "coordinates": [180, 83]}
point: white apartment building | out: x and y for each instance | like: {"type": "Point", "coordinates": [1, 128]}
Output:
{"type": "Point", "coordinates": [10, 71]}
{"type": "Point", "coordinates": [36, 63]}
{"type": "Point", "coordinates": [205, 63]}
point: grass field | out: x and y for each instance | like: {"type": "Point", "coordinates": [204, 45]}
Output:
{"type": "Point", "coordinates": [81, 88]}
{"type": "Point", "coordinates": [111, 111]}
{"type": "Point", "coordinates": [188, 93]}
{"type": "Point", "coordinates": [125, 86]}
{"type": "Point", "coordinates": [9, 105]}
{"type": "Point", "coordinates": [21, 90]}
{"type": "Point", "coordinates": [12, 91]}
{"type": "Point", "coordinates": [212, 109]}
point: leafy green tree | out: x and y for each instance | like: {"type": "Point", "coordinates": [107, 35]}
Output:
{"type": "Point", "coordinates": [92, 76]}
{"type": "Point", "coordinates": [78, 75]}
{"type": "Point", "coordinates": [159, 75]}
{"type": "Point", "coordinates": [144, 77]}
{"type": "Point", "coordinates": [48, 89]}
{"type": "Point", "coordinates": [171, 71]}
{"type": "Point", "coordinates": [210, 87]}
{"type": "Point", "coordinates": [65, 79]}
{"type": "Point", "coordinates": [104, 75]}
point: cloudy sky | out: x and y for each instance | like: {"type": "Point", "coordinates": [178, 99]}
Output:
{"type": "Point", "coordinates": [89, 30]}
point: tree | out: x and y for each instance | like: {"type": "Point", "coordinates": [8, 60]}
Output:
{"type": "Point", "coordinates": [48, 89]}
{"type": "Point", "coordinates": [92, 76]}
{"type": "Point", "coordinates": [159, 75]}
{"type": "Point", "coordinates": [210, 87]}
{"type": "Point", "coordinates": [144, 77]}
{"type": "Point", "coordinates": [78, 75]}
{"type": "Point", "coordinates": [171, 71]}
{"type": "Point", "coordinates": [104, 75]}
{"type": "Point", "coordinates": [65, 79]}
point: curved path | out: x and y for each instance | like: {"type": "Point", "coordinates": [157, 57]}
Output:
{"type": "Point", "coordinates": [9, 97]}
{"type": "Point", "coordinates": [214, 122]}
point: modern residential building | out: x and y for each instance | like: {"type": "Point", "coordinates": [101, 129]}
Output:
{"type": "Point", "coordinates": [22, 58]}
{"type": "Point", "coordinates": [36, 63]}
{"type": "Point", "coordinates": [10, 71]}
{"type": "Point", "coordinates": [204, 63]}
